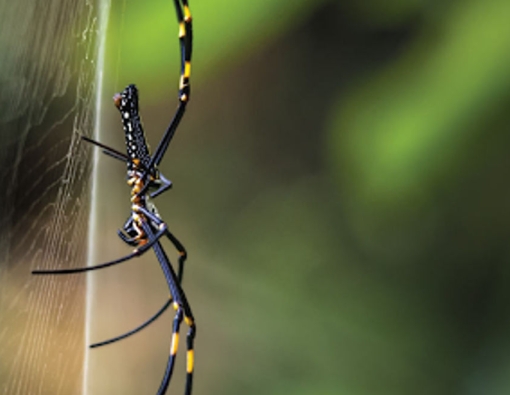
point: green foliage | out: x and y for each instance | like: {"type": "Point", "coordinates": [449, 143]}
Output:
{"type": "Point", "coordinates": [402, 130]}
{"type": "Point", "coordinates": [385, 12]}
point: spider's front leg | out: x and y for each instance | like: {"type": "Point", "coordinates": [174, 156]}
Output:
{"type": "Point", "coordinates": [107, 150]}
{"type": "Point", "coordinates": [160, 182]}
{"type": "Point", "coordinates": [163, 183]}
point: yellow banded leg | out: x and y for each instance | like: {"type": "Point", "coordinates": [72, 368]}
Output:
{"type": "Point", "coordinates": [174, 346]}
{"type": "Point", "coordinates": [186, 41]}
{"type": "Point", "coordinates": [190, 354]}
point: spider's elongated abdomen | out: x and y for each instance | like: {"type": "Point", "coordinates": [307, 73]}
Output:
{"type": "Point", "coordinates": [137, 149]}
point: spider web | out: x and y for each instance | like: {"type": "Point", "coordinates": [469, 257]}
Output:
{"type": "Point", "coordinates": [50, 79]}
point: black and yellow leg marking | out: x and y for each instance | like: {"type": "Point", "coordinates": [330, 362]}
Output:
{"type": "Point", "coordinates": [190, 354]}
{"type": "Point", "coordinates": [186, 44]}
{"type": "Point", "coordinates": [174, 347]}
{"type": "Point", "coordinates": [186, 39]}
{"type": "Point", "coordinates": [182, 312]}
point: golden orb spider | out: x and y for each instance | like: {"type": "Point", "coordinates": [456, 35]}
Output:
{"type": "Point", "coordinates": [144, 227]}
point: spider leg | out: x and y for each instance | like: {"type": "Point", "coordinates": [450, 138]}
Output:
{"type": "Point", "coordinates": [167, 137]}
{"type": "Point", "coordinates": [166, 185]}
{"type": "Point", "coordinates": [128, 240]}
{"type": "Point", "coordinates": [137, 252]}
{"type": "Point", "coordinates": [183, 255]}
{"type": "Point", "coordinates": [127, 227]}
{"type": "Point", "coordinates": [107, 150]}
{"type": "Point", "coordinates": [137, 329]}
{"type": "Point", "coordinates": [185, 40]}
{"type": "Point", "coordinates": [182, 311]}
{"type": "Point", "coordinates": [182, 258]}
{"type": "Point", "coordinates": [114, 155]}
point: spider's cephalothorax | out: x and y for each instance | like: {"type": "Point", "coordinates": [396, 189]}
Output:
{"type": "Point", "coordinates": [144, 227]}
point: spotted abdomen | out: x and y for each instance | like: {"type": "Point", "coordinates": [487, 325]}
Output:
{"type": "Point", "coordinates": [136, 145]}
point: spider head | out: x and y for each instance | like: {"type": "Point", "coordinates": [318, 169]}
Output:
{"type": "Point", "coordinates": [127, 101]}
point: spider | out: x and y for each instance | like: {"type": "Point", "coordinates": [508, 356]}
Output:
{"type": "Point", "coordinates": [144, 227]}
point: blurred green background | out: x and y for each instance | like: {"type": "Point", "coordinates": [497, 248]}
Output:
{"type": "Point", "coordinates": [340, 185]}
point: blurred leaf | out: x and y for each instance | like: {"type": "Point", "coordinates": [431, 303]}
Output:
{"type": "Point", "coordinates": [384, 12]}
{"type": "Point", "coordinates": [404, 129]}
{"type": "Point", "coordinates": [306, 312]}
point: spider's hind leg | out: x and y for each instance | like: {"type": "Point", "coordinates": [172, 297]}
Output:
{"type": "Point", "coordinates": [137, 329]}
{"type": "Point", "coordinates": [182, 312]}
{"type": "Point", "coordinates": [128, 234]}
{"type": "Point", "coordinates": [183, 255]}
{"type": "Point", "coordinates": [132, 241]}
